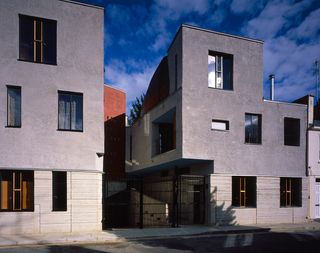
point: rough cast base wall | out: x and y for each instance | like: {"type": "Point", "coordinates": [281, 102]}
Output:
{"type": "Point", "coordinates": [268, 203]}
{"type": "Point", "coordinates": [84, 195]}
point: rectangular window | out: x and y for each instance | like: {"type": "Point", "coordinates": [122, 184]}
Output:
{"type": "Point", "coordinates": [290, 192]}
{"type": "Point", "coordinates": [220, 68]}
{"type": "Point", "coordinates": [253, 128]}
{"type": "Point", "coordinates": [13, 106]}
{"type": "Point", "coordinates": [70, 110]}
{"type": "Point", "coordinates": [37, 39]}
{"type": "Point", "coordinates": [244, 191]}
{"type": "Point", "coordinates": [217, 124]}
{"type": "Point", "coordinates": [16, 190]}
{"type": "Point", "coordinates": [175, 72]}
{"type": "Point", "coordinates": [59, 191]}
{"type": "Point", "coordinates": [291, 132]}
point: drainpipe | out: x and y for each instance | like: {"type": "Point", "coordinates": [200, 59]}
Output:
{"type": "Point", "coordinates": [271, 78]}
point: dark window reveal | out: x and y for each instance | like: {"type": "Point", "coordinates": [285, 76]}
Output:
{"type": "Point", "coordinates": [290, 192]}
{"type": "Point", "coordinates": [291, 132]}
{"type": "Point", "coordinates": [16, 190]}
{"type": "Point", "coordinates": [70, 111]}
{"type": "Point", "coordinates": [220, 68]}
{"type": "Point", "coordinates": [37, 40]}
{"type": "Point", "coordinates": [59, 191]}
{"type": "Point", "coordinates": [252, 128]}
{"type": "Point", "coordinates": [244, 191]}
{"type": "Point", "coordinates": [13, 106]}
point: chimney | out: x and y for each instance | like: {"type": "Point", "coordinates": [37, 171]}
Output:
{"type": "Point", "coordinates": [271, 78]}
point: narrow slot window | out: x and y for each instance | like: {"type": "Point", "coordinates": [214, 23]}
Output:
{"type": "Point", "coordinates": [13, 106]}
{"type": "Point", "coordinates": [59, 191]}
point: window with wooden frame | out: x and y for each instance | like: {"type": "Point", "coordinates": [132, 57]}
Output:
{"type": "Point", "coordinates": [244, 191]}
{"type": "Point", "coordinates": [59, 191]}
{"type": "Point", "coordinates": [37, 40]}
{"type": "Point", "coordinates": [16, 190]}
{"type": "Point", "coordinates": [290, 192]}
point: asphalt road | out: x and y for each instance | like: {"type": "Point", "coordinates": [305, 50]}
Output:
{"type": "Point", "coordinates": [306, 242]}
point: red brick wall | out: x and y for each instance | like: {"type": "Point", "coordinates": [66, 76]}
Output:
{"type": "Point", "coordinates": [114, 126]}
{"type": "Point", "coordinates": [114, 102]}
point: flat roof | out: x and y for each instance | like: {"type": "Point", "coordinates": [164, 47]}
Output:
{"type": "Point", "coordinates": [282, 102]}
{"type": "Point", "coordinates": [84, 4]}
{"type": "Point", "coordinates": [215, 32]}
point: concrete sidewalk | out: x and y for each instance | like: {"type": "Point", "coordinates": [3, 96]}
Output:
{"type": "Point", "coordinates": [119, 235]}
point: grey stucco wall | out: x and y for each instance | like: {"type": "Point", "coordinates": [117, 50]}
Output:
{"type": "Point", "coordinates": [143, 130]}
{"type": "Point", "coordinates": [38, 144]}
{"type": "Point", "coordinates": [201, 104]}
{"type": "Point", "coordinates": [314, 152]}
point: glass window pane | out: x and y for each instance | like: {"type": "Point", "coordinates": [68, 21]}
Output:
{"type": "Point", "coordinates": [14, 106]}
{"type": "Point", "coordinates": [76, 108]}
{"type": "Point", "coordinates": [26, 38]}
{"type": "Point", "coordinates": [227, 73]}
{"type": "Point", "coordinates": [211, 71]}
{"type": "Point", "coordinates": [17, 199]}
{"type": "Point", "coordinates": [64, 111]}
{"type": "Point", "coordinates": [50, 42]}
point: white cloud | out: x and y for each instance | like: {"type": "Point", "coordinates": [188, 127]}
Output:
{"type": "Point", "coordinates": [273, 18]}
{"type": "Point", "coordinates": [178, 8]}
{"type": "Point", "coordinates": [132, 82]}
{"type": "Point", "coordinates": [246, 6]}
{"type": "Point", "coordinates": [308, 28]}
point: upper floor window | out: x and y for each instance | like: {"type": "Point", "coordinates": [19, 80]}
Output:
{"type": "Point", "coordinates": [252, 128]}
{"type": "Point", "coordinates": [220, 71]}
{"type": "Point", "coordinates": [291, 132]}
{"type": "Point", "coordinates": [70, 110]}
{"type": "Point", "coordinates": [16, 190]}
{"type": "Point", "coordinates": [37, 40]}
{"type": "Point", "coordinates": [217, 124]}
{"type": "Point", "coordinates": [13, 106]}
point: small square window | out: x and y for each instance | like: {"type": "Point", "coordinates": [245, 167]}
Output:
{"type": "Point", "coordinates": [291, 132]}
{"type": "Point", "coordinates": [253, 128]}
{"type": "Point", "coordinates": [70, 110]}
{"type": "Point", "coordinates": [222, 125]}
{"type": "Point", "coordinates": [220, 68]}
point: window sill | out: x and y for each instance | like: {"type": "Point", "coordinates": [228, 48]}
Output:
{"type": "Point", "coordinates": [290, 206]}
{"type": "Point", "coordinates": [12, 126]}
{"type": "Point", "coordinates": [244, 207]}
{"type": "Point", "coordinates": [291, 145]}
{"type": "Point", "coordinates": [59, 210]}
{"type": "Point", "coordinates": [45, 63]}
{"type": "Point", "coordinates": [69, 130]}
{"type": "Point", "coordinates": [219, 130]}
{"type": "Point", "coordinates": [249, 143]}
{"type": "Point", "coordinates": [220, 89]}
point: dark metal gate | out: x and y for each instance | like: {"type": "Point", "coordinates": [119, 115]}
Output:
{"type": "Point", "coordinates": [155, 202]}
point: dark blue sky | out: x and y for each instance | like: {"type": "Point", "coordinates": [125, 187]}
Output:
{"type": "Point", "coordinates": [138, 33]}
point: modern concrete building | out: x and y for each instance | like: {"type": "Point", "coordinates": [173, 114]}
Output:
{"type": "Point", "coordinates": [51, 116]}
{"type": "Point", "coordinates": [204, 114]}
{"type": "Point", "coordinates": [314, 158]}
